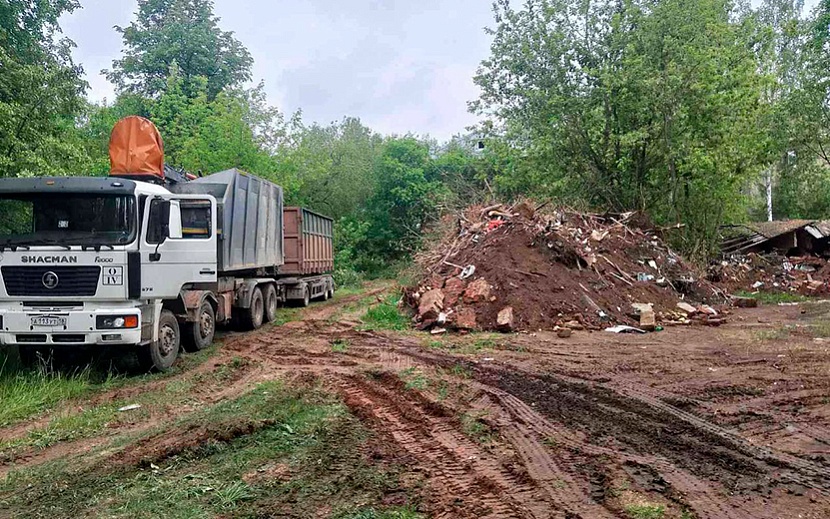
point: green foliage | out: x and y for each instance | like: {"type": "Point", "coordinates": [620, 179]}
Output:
{"type": "Point", "coordinates": [385, 316]}
{"type": "Point", "coordinates": [182, 33]}
{"type": "Point", "coordinates": [27, 393]}
{"type": "Point", "coordinates": [645, 511]}
{"type": "Point", "coordinates": [629, 105]}
{"type": "Point", "coordinates": [40, 90]}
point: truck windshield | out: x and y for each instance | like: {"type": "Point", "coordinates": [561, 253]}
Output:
{"type": "Point", "coordinates": [67, 219]}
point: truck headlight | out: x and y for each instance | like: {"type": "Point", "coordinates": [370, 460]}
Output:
{"type": "Point", "coordinates": [115, 322]}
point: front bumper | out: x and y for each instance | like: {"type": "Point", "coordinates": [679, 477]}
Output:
{"type": "Point", "coordinates": [80, 328]}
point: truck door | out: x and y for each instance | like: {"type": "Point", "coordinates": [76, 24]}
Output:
{"type": "Point", "coordinates": [178, 244]}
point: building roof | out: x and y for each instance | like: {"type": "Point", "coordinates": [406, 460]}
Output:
{"type": "Point", "coordinates": [771, 230]}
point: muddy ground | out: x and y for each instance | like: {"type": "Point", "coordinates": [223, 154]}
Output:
{"type": "Point", "coordinates": [691, 422]}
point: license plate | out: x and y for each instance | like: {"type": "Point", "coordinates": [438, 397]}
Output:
{"type": "Point", "coordinates": [48, 320]}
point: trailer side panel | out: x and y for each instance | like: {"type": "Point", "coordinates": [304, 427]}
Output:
{"type": "Point", "coordinates": [309, 247]}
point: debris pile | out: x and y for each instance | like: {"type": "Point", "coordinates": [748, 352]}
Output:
{"type": "Point", "coordinates": [511, 268]}
{"type": "Point", "coordinates": [772, 272]}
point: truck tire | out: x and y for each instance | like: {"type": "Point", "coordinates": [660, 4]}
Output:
{"type": "Point", "coordinates": [270, 303]}
{"type": "Point", "coordinates": [161, 355]}
{"type": "Point", "coordinates": [253, 315]}
{"type": "Point", "coordinates": [306, 297]}
{"type": "Point", "coordinates": [199, 335]}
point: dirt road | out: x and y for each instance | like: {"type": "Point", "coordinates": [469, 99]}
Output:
{"type": "Point", "coordinates": [691, 422]}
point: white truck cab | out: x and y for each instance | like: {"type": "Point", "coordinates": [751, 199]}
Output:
{"type": "Point", "coordinates": [105, 261]}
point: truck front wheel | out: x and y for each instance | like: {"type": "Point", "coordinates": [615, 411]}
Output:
{"type": "Point", "coordinates": [161, 354]}
{"type": "Point", "coordinates": [199, 335]}
{"type": "Point", "coordinates": [253, 315]}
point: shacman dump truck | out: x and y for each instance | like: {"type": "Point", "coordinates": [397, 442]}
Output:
{"type": "Point", "coordinates": [149, 257]}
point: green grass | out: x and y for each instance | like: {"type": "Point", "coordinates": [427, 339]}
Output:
{"type": "Point", "coordinates": [27, 393]}
{"type": "Point", "coordinates": [414, 379]}
{"type": "Point", "coordinates": [371, 513]}
{"type": "Point", "coordinates": [340, 345]}
{"type": "Point", "coordinates": [472, 425]}
{"type": "Point", "coordinates": [309, 433]}
{"type": "Point", "coordinates": [287, 315]}
{"type": "Point", "coordinates": [385, 316]}
{"type": "Point", "coordinates": [645, 511]}
{"type": "Point", "coordinates": [773, 298]}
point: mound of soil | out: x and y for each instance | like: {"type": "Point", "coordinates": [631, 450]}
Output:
{"type": "Point", "coordinates": [514, 269]}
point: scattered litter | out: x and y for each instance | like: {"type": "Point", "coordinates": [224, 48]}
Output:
{"type": "Point", "coordinates": [130, 407]}
{"type": "Point", "coordinates": [468, 271]}
{"type": "Point", "coordinates": [621, 328]}
{"type": "Point", "coordinates": [532, 270]}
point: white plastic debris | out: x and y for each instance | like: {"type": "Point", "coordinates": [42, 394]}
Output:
{"type": "Point", "coordinates": [130, 407]}
{"type": "Point", "coordinates": [621, 328]}
{"type": "Point", "coordinates": [468, 271]}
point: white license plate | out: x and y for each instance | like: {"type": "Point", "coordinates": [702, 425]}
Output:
{"type": "Point", "coordinates": [48, 320]}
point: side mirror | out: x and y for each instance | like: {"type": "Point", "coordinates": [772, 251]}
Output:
{"type": "Point", "coordinates": [159, 221]}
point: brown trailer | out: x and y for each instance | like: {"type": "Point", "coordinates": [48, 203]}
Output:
{"type": "Point", "coordinates": [309, 251]}
{"type": "Point", "coordinates": [308, 242]}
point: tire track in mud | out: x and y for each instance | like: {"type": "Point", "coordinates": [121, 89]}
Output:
{"type": "Point", "coordinates": [460, 470]}
{"type": "Point", "coordinates": [645, 422]}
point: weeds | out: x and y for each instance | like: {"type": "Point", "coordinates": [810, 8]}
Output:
{"type": "Point", "coordinates": [371, 513]}
{"type": "Point", "coordinates": [645, 511]}
{"type": "Point", "coordinates": [773, 298]}
{"type": "Point", "coordinates": [233, 494]}
{"type": "Point", "coordinates": [461, 371]}
{"type": "Point", "coordinates": [340, 345]}
{"type": "Point", "coordinates": [473, 426]}
{"type": "Point", "coordinates": [29, 393]}
{"type": "Point", "coordinates": [414, 379]}
{"type": "Point", "coordinates": [385, 316]}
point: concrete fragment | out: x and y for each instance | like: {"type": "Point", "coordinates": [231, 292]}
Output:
{"type": "Point", "coordinates": [686, 307]}
{"type": "Point", "coordinates": [431, 305]}
{"type": "Point", "coordinates": [505, 320]}
{"type": "Point", "coordinates": [708, 310]}
{"type": "Point", "coordinates": [477, 291]}
{"type": "Point", "coordinates": [465, 318]}
{"type": "Point", "coordinates": [648, 321]}
{"type": "Point", "coordinates": [574, 325]}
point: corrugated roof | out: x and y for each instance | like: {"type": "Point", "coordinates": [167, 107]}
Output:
{"type": "Point", "coordinates": [822, 227]}
{"type": "Point", "coordinates": [770, 230]}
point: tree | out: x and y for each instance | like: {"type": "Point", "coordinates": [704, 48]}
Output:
{"type": "Point", "coordinates": [40, 90]}
{"type": "Point", "coordinates": [181, 32]}
{"type": "Point", "coordinates": [405, 200]}
{"type": "Point", "coordinates": [633, 104]}
{"type": "Point", "coordinates": [333, 166]}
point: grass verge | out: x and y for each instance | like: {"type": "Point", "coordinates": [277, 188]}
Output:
{"type": "Point", "coordinates": [304, 458]}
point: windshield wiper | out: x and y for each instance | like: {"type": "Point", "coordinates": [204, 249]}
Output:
{"type": "Point", "coordinates": [97, 247]}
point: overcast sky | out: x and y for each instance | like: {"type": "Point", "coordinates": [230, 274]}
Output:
{"type": "Point", "coordinates": [400, 65]}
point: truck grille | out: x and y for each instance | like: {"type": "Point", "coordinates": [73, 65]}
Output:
{"type": "Point", "coordinates": [72, 281]}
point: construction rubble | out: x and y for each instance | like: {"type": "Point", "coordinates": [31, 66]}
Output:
{"type": "Point", "coordinates": [515, 268]}
{"type": "Point", "coordinates": [772, 272]}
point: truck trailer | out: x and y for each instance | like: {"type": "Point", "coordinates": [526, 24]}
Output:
{"type": "Point", "coordinates": [150, 259]}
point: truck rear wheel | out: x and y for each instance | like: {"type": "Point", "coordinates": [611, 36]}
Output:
{"type": "Point", "coordinates": [306, 296]}
{"type": "Point", "coordinates": [270, 303]}
{"type": "Point", "coordinates": [253, 315]}
{"type": "Point", "coordinates": [161, 354]}
{"type": "Point", "coordinates": [199, 335]}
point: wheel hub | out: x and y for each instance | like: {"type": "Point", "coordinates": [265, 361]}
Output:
{"type": "Point", "coordinates": [205, 325]}
{"type": "Point", "coordinates": [167, 336]}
